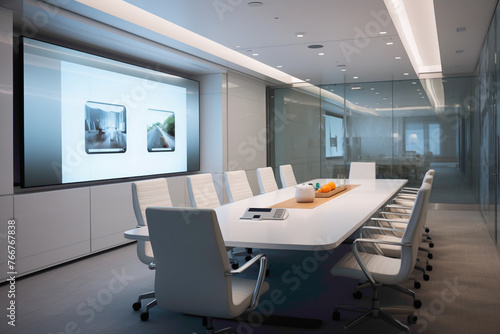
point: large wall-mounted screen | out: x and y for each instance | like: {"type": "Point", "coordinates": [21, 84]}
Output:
{"type": "Point", "coordinates": [89, 118]}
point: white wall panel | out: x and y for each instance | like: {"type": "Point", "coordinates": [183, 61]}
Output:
{"type": "Point", "coordinates": [52, 227]}
{"type": "Point", "coordinates": [112, 213]}
{"type": "Point", "coordinates": [6, 214]}
{"type": "Point", "coordinates": [247, 135]}
{"type": "Point", "coordinates": [6, 104]}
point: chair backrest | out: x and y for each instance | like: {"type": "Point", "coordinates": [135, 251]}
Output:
{"type": "Point", "coordinates": [267, 182]}
{"type": "Point", "coordinates": [362, 170]}
{"type": "Point", "coordinates": [201, 190]}
{"type": "Point", "coordinates": [145, 194]}
{"type": "Point", "coordinates": [149, 193]}
{"type": "Point", "coordinates": [287, 176]}
{"type": "Point", "coordinates": [237, 185]}
{"type": "Point", "coordinates": [185, 281]}
{"type": "Point", "coordinates": [413, 231]}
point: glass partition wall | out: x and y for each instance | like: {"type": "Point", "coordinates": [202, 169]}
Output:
{"type": "Point", "coordinates": [451, 125]}
{"type": "Point", "coordinates": [406, 127]}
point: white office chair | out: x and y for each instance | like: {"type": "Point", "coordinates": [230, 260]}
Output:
{"type": "Point", "coordinates": [267, 182]}
{"type": "Point", "coordinates": [383, 270]}
{"type": "Point", "coordinates": [362, 170]}
{"type": "Point", "coordinates": [202, 194]}
{"type": "Point", "coordinates": [199, 285]}
{"type": "Point", "coordinates": [237, 185]}
{"type": "Point", "coordinates": [287, 176]}
{"type": "Point", "coordinates": [201, 190]}
{"type": "Point", "coordinates": [144, 194]}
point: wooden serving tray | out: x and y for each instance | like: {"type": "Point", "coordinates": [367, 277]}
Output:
{"type": "Point", "coordinates": [331, 193]}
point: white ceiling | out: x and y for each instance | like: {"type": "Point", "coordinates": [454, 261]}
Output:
{"type": "Point", "coordinates": [347, 29]}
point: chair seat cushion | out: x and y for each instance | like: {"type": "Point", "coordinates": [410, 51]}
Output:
{"type": "Point", "coordinates": [242, 293]}
{"type": "Point", "coordinates": [384, 269]}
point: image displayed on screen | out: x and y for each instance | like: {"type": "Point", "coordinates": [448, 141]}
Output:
{"type": "Point", "coordinates": [105, 128]}
{"type": "Point", "coordinates": [334, 136]}
{"type": "Point", "coordinates": [161, 130]}
{"type": "Point", "coordinates": [89, 118]}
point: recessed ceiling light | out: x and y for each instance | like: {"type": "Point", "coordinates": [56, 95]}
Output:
{"type": "Point", "coordinates": [321, 54]}
{"type": "Point", "coordinates": [238, 46]}
{"type": "Point", "coordinates": [389, 43]}
{"type": "Point", "coordinates": [377, 93]}
{"type": "Point", "coordinates": [355, 77]}
{"type": "Point", "coordinates": [255, 54]}
{"type": "Point", "coordinates": [372, 88]}
{"type": "Point", "coordinates": [308, 79]}
{"type": "Point", "coordinates": [343, 70]}
{"type": "Point", "coordinates": [279, 66]}
{"type": "Point", "coordinates": [255, 3]}
{"type": "Point", "coordinates": [406, 73]}
{"type": "Point", "coordinates": [413, 82]}
{"type": "Point", "coordinates": [383, 33]}
{"type": "Point", "coordinates": [397, 58]}
{"type": "Point", "coordinates": [355, 87]}
{"type": "Point", "coordinates": [315, 46]}
{"type": "Point", "coordinates": [300, 34]}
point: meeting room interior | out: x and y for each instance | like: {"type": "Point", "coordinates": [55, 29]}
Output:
{"type": "Point", "coordinates": [236, 166]}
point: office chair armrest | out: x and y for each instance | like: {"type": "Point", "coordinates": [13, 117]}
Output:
{"type": "Point", "coordinates": [398, 206]}
{"type": "Point", "coordinates": [260, 278]}
{"type": "Point", "coordinates": [395, 213]}
{"type": "Point", "coordinates": [404, 221]}
{"type": "Point", "coordinates": [381, 228]}
{"type": "Point", "coordinates": [245, 266]}
{"type": "Point", "coordinates": [410, 188]}
{"type": "Point", "coordinates": [363, 266]}
{"type": "Point", "coordinates": [405, 196]}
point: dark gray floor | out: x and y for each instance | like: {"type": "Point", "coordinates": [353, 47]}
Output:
{"type": "Point", "coordinates": [95, 294]}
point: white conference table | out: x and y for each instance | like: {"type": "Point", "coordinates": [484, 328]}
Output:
{"type": "Point", "coordinates": [323, 227]}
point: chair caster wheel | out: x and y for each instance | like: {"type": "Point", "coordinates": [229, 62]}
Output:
{"type": "Point", "coordinates": [248, 258]}
{"type": "Point", "coordinates": [336, 316]}
{"type": "Point", "coordinates": [357, 295]}
{"type": "Point", "coordinates": [412, 319]}
{"type": "Point", "coordinates": [429, 238]}
{"type": "Point", "coordinates": [136, 306]}
{"type": "Point", "coordinates": [417, 285]}
{"type": "Point", "coordinates": [427, 230]}
{"type": "Point", "coordinates": [426, 277]}
{"type": "Point", "coordinates": [144, 316]}
{"type": "Point", "coordinates": [431, 245]}
{"type": "Point", "coordinates": [417, 303]}
{"type": "Point", "coordinates": [430, 256]}
{"type": "Point", "coordinates": [428, 267]}
{"type": "Point", "coordinates": [235, 266]}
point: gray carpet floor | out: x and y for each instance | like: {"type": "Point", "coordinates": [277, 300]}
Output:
{"type": "Point", "coordinates": [95, 294]}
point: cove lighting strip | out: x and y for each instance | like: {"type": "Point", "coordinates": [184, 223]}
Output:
{"type": "Point", "coordinates": [415, 22]}
{"type": "Point", "coordinates": [128, 12]}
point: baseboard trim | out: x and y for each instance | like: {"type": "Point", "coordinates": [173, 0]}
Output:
{"type": "Point", "coordinates": [456, 207]}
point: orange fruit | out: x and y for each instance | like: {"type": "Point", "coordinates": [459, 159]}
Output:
{"type": "Point", "coordinates": [332, 185]}
{"type": "Point", "coordinates": [325, 188]}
